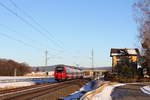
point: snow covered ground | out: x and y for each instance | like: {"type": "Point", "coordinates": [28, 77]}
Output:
{"type": "Point", "coordinates": [146, 89]}
{"type": "Point", "coordinates": [19, 78]}
{"type": "Point", "coordinates": [81, 92]}
{"type": "Point", "coordinates": [106, 93]}
{"type": "Point", "coordinates": [9, 82]}
{"type": "Point", "coordinates": [15, 84]}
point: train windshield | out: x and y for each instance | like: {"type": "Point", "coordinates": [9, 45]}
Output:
{"type": "Point", "coordinates": [59, 69]}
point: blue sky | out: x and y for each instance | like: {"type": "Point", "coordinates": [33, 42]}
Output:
{"type": "Point", "coordinates": [75, 27]}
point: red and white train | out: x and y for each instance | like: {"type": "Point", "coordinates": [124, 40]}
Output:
{"type": "Point", "coordinates": [63, 72]}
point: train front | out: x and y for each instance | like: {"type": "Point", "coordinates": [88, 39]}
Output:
{"type": "Point", "coordinates": [60, 73]}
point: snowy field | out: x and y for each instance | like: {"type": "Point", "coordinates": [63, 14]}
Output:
{"type": "Point", "coordinates": [16, 84]}
{"type": "Point", "coordinates": [20, 78]}
{"type": "Point", "coordinates": [146, 89]}
{"type": "Point", "coordinates": [9, 78]}
{"type": "Point", "coordinates": [11, 82]}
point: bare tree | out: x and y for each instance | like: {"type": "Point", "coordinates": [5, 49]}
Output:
{"type": "Point", "coordinates": [142, 17]}
{"type": "Point", "coordinates": [7, 68]}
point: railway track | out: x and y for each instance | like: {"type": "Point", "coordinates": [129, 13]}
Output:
{"type": "Point", "coordinates": [21, 88]}
{"type": "Point", "coordinates": [51, 91]}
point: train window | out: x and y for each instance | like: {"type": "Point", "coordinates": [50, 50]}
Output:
{"type": "Point", "coordinates": [59, 69]}
{"type": "Point", "coordinates": [77, 72]}
{"type": "Point", "coordinates": [68, 71]}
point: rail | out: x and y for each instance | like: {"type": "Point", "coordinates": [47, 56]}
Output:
{"type": "Point", "coordinates": [45, 92]}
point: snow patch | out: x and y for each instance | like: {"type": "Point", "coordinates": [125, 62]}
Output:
{"type": "Point", "coordinates": [25, 81]}
{"type": "Point", "coordinates": [132, 51]}
{"type": "Point", "coordinates": [16, 84]}
{"type": "Point", "coordinates": [17, 77]}
{"type": "Point", "coordinates": [146, 89]}
{"type": "Point", "coordinates": [79, 93]}
{"type": "Point", "coordinates": [6, 79]}
{"type": "Point", "coordinates": [106, 93]}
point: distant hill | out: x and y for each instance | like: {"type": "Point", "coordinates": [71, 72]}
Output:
{"type": "Point", "coordinates": [52, 68]}
{"type": "Point", "coordinates": [97, 68]}
{"type": "Point", "coordinates": [44, 68]}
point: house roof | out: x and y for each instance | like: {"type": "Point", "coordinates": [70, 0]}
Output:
{"type": "Point", "coordinates": [124, 52]}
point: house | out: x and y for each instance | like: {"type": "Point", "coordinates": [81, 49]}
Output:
{"type": "Point", "coordinates": [124, 56]}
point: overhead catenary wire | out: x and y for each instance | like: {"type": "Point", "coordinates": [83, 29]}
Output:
{"type": "Point", "coordinates": [38, 24]}
{"type": "Point", "coordinates": [24, 20]}
{"type": "Point", "coordinates": [58, 42]}
{"type": "Point", "coordinates": [18, 40]}
{"type": "Point", "coordinates": [21, 42]}
{"type": "Point", "coordinates": [15, 31]}
{"type": "Point", "coordinates": [56, 56]}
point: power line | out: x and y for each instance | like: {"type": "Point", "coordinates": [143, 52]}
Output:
{"type": "Point", "coordinates": [14, 31]}
{"type": "Point", "coordinates": [24, 20]}
{"type": "Point", "coordinates": [18, 40]}
{"type": "Point", "coordinates": [58, 42]}
{"type": "Point", "coordinates": [13, 3]}
{"type": "Point", "coordinates": [24, 43]}
{"type": "Point", "coordinates": [21, 18]}
{"type": "Point", "coordinates": [35, 22]}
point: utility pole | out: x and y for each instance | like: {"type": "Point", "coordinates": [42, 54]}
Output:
{"type": "Point", "coordinates": [15, 72]}
{"type": "Point", "coordinates": [92, 59]}
{"type": "Point", "coordinates": [77, 65]}
{"type": "Point", "coordinates": [92, 53]}
{"type": "Point", "coordinates": [46, 58]}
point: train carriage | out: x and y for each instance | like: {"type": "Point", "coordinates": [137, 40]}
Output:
{"type": "Point", "coordinates": [63, 72]}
